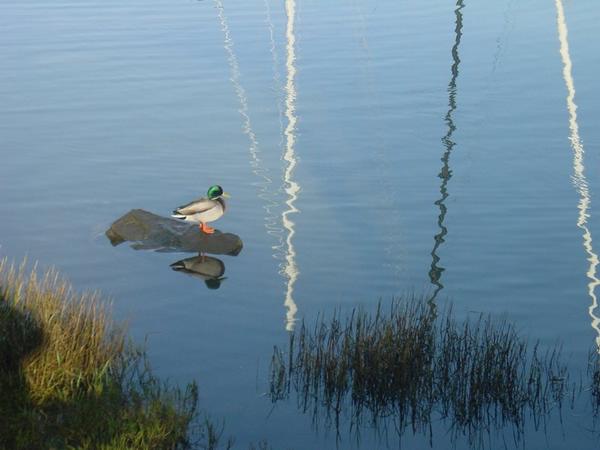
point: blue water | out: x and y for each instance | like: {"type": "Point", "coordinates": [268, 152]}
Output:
{"type": "Point", "coordinates": [330, 131]}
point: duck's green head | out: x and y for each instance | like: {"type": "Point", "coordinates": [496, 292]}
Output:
{"type": "Point", "coordinates": [215, 192]}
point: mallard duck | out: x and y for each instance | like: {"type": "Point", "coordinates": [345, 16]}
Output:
{"type": "Point", "coordinates": [205, 209]}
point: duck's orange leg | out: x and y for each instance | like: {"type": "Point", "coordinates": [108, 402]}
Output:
{"type": "Point", "coordinates": [206, 229]}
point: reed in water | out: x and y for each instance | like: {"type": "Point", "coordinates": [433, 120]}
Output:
{"type": "Point", "coordinates": [408, 366]}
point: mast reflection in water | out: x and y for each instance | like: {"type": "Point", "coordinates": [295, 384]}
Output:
{"type": "Point", "coordinates": [435, 272]}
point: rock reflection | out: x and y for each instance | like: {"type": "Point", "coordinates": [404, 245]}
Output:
{"type": "Point", "coordinates": [406, 369]}
{"type": "Point", "coordinates": [206, 268]}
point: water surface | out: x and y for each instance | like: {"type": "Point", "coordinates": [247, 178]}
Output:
{"type": "Point", "coordinates": [372, 148]}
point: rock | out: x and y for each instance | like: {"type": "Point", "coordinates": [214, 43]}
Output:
{"type": "Point", "coordinates": [148, 231]}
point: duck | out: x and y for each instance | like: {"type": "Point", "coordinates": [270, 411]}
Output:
{"type": "Point", "coordinates": [204, 210]}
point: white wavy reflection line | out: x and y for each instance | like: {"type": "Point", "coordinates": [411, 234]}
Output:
{"type": "Point", "coordinates": [292, 188]}
{"type": "Point", "coordinates": [579, 179]}
{"type": "Point", "coordinates": [278, 91]}
{"type": "Point", "coordinates": [256, 163]}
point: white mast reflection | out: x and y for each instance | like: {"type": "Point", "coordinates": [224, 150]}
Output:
{"type": "Point", "coordinates": [579, 179]}
{"type": "Point", "coordinates": [291, 187]}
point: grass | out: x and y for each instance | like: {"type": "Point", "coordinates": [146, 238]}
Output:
{"type": "Point", "coordinates": [70, 378]}
{"type": "Point", "coordinates": [414, 367]}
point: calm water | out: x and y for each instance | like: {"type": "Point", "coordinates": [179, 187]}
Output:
{"type": "Point", "coordinates": [371, 149]}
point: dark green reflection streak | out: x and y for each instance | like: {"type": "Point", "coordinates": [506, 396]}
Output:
{"type": "Point", "coordinates": [435, 272]}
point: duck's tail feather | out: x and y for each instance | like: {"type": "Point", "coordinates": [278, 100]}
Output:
{"type": "Point", "coordinates": [178, 266]}
{"type": "Point", "coordinates": [177, 215]}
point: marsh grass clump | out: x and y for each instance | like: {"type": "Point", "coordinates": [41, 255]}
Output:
{"type": "Point", "coordinates": [488, 377]}
{"type": "Point", "coordinates": [70, 378]}
{"type": "Point", "coordinates": [412, 365]}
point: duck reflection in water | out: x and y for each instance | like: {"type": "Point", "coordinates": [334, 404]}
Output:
{"type": "Point", "coordinates": [206, 268]}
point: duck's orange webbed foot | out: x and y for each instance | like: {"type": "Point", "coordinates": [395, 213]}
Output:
{"type": "Point", "coordinates": [206, 229]}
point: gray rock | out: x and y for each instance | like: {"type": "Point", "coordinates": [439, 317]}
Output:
{"type": "Point", "coordinates": [148, 231]}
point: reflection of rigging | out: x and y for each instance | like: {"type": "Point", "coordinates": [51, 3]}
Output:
{"type": "Point", "coordinates": [388, 194]}
{"type": "Point", "coordinates": [292, 188]}
{"type": "Point", "coordinates": [277, 85]}
{"type": "Point", "coordinates": [435, 272]}
{"type": "Point", "coordinates": [278, 88]}
{"type": "Point", "coordinates": [579, 179]}
{"type": "Point", "coordinates": [257, 167]}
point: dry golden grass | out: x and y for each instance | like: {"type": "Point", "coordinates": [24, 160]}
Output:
{"type": "Point", "coordinates": [70, 377]}
{"type": "Point", "coordinates": [79, 341]}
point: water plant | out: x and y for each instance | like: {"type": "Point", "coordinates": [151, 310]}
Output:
{"type": "Point", "coordinates": [409, 366]}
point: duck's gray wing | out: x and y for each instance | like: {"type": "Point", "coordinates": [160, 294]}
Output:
{"type": "Point", "coordinates": [195, 207]}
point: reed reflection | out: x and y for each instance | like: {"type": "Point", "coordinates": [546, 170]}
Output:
{"type": "Point", "coordinates": [579, 178]}
{"type": "Point", "coordinates": [436, 270]}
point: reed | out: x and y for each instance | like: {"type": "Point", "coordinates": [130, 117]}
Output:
{"type": "Point", "coordinates": [594, 380]}
{"type": "Point", "coordinates": [412, 366]}
{"type": "Point", "coordinates": [69, 376]}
